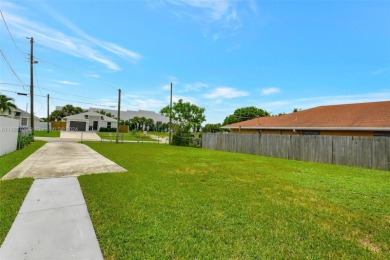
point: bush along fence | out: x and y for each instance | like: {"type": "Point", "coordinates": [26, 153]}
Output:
{"type": "Point", "coordinates": [24, 138]}
{"type": "Point", "coordinates": [366, 152]}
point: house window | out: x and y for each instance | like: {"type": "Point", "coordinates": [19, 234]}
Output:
{"type": "Point", "coordinates": [24, 122]}
{"type": "Point", "coordinates": [18, 113]}
{"type": "Point", "coordinates": [109, 125]}
{"type": "Point", "coordinates": [310, 132]}
{"type": "Point", "coordinates": [86, 116]}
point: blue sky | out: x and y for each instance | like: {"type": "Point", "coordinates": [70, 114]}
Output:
{"type": "Point", "coordinates": [221, 55]}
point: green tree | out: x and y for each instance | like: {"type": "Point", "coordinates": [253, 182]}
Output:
{"type": "Point", "coordinates": [136, 121]}
{"type": "Point", "coordinates": [142, 122]}
{"type": "Point", "coordinates": [212, 128]}
{"type": "Point", "coordinates": [245, 113]}
{"type": "Point", "coordinates": [185, 116]}
{"type": "Point", "coordinates": [149, 124]}
{"type": "Point", "coordinates": [6, 104]}
{"type": "Point", "coordinates": [56, 115]}
{"type": "Point", "coordinates": [67, 110]}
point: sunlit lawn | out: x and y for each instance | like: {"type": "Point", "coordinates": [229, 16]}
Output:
{"type": "Point", "coordinates": [130, 136]}
{"type": "Point", "coordinates": [186, 203]}
{"type": "Point", "coordinates": [46, 134]}
{"type": "Point", "coordinates": [12, 192]}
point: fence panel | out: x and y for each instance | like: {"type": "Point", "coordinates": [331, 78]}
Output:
{"type": "Point", "coordinates": [8, 135]}
{"type": "Point", "coordinates": [367, 152]}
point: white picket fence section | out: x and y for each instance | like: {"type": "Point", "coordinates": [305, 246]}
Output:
{"type": "Point", "coordinates": [8, 135]}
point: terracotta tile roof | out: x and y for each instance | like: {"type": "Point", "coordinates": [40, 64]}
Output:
{"type": "Point", "coordinates": [361, 115]}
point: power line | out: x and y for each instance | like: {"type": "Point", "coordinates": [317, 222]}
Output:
{"type": "Point", "coordinates": [68, 100]}
{"type": "Point", "coordinates": [12, 84]}
{"type": "Point", "coordinates": [94, 104]}
{"type": "Point", "coordinates": [9, 32]}
{"type": "Point", "coordinates": [81, 74]}
{"type": "Point", "coordinates": [36, 79]}
{"type": "Point", "coordinates": [6, 90]}
{"type": "Point", "coordinates": [9, 65]}
{"type": "Point", "coordinates": [52, 90]}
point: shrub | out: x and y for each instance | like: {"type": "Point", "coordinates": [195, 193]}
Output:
{"type": "Point", "coordinates": [181, 139]}
{"type": "Point", "coordinates": [23, 141]}
{"type": "Point", "coordinates": [105, 129]}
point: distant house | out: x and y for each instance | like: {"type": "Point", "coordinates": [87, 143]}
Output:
{"type": "Point", "coordinates": [361, 119]}
{"type": "Point", "coordinates": [130, 114]}
{"type": "Point", "coordinates": [89, 121]}
{"type": "Point", "coordinates": [23, 117]}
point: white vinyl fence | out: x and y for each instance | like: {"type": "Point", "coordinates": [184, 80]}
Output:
{"type": "Point", "coordinates": [8, 135]}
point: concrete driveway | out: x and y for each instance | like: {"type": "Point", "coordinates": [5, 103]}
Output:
{"type": "Point", "coordinates": [59, 159]}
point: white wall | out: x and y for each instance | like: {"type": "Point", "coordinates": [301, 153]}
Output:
{"type": "Point", "coordinates": [41, 126]}
{"type": "Point", "coordinates": [8, 135]}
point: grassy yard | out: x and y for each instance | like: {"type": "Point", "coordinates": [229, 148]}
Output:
{"type": "Point", "coordinates": [139, 136]}
{"type": "Point", "coordinates": [160, 134]}
{"type": "Point", "coordinates": [180, 202]}
{"type": "Point", "coordinates": [46, 134]}
{"type": "Point", "coordinates": [12, 192]}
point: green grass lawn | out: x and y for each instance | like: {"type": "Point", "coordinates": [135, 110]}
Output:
{"type": "Point", "coordinates": [12, 192]}
{"type": "Point", "coordinates": [139, 136]}
{"type": "Point", "coordinates": [180, 202]}
{"type": "Point", "coordinates": [46, 134]}
{"type": "Point", "coordinates": [160, 134]}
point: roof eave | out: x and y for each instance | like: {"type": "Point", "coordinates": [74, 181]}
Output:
{"type": "Point", "coordinates": [311, 128]}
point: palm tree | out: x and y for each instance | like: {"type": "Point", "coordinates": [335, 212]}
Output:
{"type": "Point", "coordinates": [136, 121]}
{"type": "Point", "coordinates": [149, 124]}
{"type": "Point", "coordinates": [6, 104]}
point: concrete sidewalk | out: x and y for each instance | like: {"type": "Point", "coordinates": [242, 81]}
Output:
{"type": "Point", "coordinates": [53, 223]}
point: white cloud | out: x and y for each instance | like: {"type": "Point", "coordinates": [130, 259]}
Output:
{"type": "Point", "coordinates": [220, 17]}
{"type": "Point", "coordinates": [197, 86]}
{"type": "Point", "coordinates": [65, 82]}
{"type": "Point", "coordinates": [225, 92]}
{"type": "Point", "coordinates": [215, 9]}
{"type": "Point", "coordinates": [270, 91]}
{"type": "Point", "coordinates": [166, 87]}
{"type": "Point", "coordinates": [145, 104]}
{"type": "Point", "coordinates": [380, 71]}
{"type": "Point", "coordinates": [83, 46]}
{"type": "Point", "coordinates": [192, 100]}
{"type": "Point", "coordinates": [310, 102]}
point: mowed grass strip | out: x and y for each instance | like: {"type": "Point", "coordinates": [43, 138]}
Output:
{"type": "Point", "coordinates": [139, 136]}
{"type": "Point", "coordinates": [13, 192]}
{"type": "Point", "coordinates": [52, 133]}
{"type": "Point", "coordinates": [180, 202]}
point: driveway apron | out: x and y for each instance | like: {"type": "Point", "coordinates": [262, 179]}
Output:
{"type": "Point", "coordinates": [59, 159]}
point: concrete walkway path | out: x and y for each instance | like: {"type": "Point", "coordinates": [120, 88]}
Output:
{"type": "Point", "coordinates": [59, 159]}
{"type": "Point", "coordinates": [53, 223]}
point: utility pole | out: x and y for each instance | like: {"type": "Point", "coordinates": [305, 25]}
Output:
{"type": "Point", "coordinates": [170, 118]}
{"type": "Point", "coordinates": [119, 115]}
{"type": "Point", "coordinates": [32, 84]}
{"type": "Point", "coordinates": [48, 121]}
